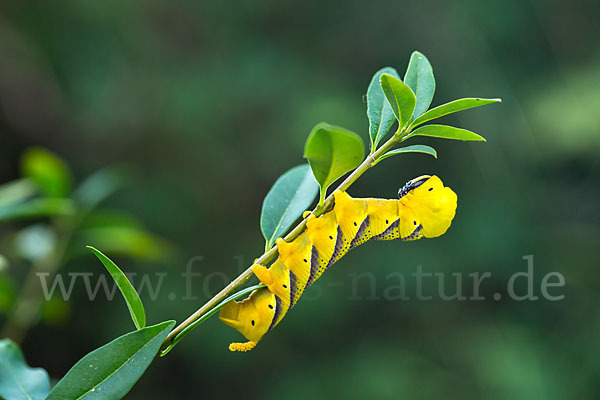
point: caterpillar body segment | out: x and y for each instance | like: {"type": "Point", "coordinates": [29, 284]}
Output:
{"type": "Point", "coordinates": [323, 233]}
{"type": "Point", "coordinates": [353, 221]}
{"type": "Point", "coordinates": [296, 256]}
{"type": "Point", "coordinates": [277, 280]}
{"type": "Point", "coordinates": [425, 208]}
{"type": "Point", "coordinates": [252, 316]}
{"type": "Point", "coordinates": [383, 214]}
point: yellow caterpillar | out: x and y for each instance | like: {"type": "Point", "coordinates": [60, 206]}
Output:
{"type": "Point", "coordinates": [425, 208]}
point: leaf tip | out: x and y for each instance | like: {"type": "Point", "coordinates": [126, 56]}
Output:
{"type": "Point", "coordinates": [385, 77]}
{"type": "Point", "coordinates": [93, 250]}
{"type": "Point", "coordinates": [170, 323]}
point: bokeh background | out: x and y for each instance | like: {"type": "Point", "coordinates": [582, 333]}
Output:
{"type": "Point", "coordinates": [204, 104]}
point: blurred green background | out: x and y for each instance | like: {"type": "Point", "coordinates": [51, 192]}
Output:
{"type": "Point", "coordinates": [205, 104]}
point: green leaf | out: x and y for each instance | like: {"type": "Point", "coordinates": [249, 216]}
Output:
{"type": "Point", "coordinates": [332, 151]}
{"type": "Point", "coordinates": [8, 289]}
{"type": "Point", "coordinates": [118, 233]}
{"type": "Point", "coordinates": [445, 132]}
{"type": "Point", "coordinates": [99, 185]}
{"type": "Point", "coordinates": [36, 208]}
{"type": "Point", "coordinates": [136, 308]}
{"type": "Point", "coordinates": [109, 218]}
{"type": "Point", "coordinates": [3, 263]}
{"type": "Point", "coordinates": [16, 191]}
{"type": "Point", "coordinates": [17, 380]}
{"type": "Point", "coordinates": [452, 107]}
{"type": "Point", "coordinates": [108, 373]}
{"type": "Point", "coordinates": [289, 197]}
{"type": "Point", "coordinates": [55, 311]}
{"type": "Point", "coordinates": [417, 148]}
{"type": "Point", "coordinates": [128, 241]}
{"type": "Point", "coordinates": [48, 171]}
{"type": "Point", "coordinates": [401, 98]}
{"type": "Point", "coordinates": [379, 112]}
{"type": "Point", "coordinates": [419, 77]}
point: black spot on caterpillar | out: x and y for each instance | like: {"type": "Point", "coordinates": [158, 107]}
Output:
{"type": "Point", "coordinates": [419, 212]}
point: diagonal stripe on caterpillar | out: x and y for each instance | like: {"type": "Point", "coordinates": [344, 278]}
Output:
{"type": "Point", "coordinates": [425, 208]}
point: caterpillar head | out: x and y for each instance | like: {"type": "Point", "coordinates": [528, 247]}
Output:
{"type": "Point", "coordinates": [427, 201]}
{"type": "Point", "coordinates": [251, 317]}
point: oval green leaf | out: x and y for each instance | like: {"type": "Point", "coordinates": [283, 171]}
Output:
{"type": "Point", "coordinates": [8, 288]}
{"type": "Point", "coordinates": [16, 191]}
{"type": "Point", "coordinates": [445, 132]}
{"type": "Point", "coordinates": [419, 77]}
{"type": "Point", "coordinates": [289, 197]}
{"type": "Point", "coordinates": [48, 171]}
{"type": "Point", "coordinates": [109, 372]}
{"type": "Point", "coordinates": [99, 185]}
{"type": "Point", "coordinates": [332, 151]}
{"type": "Point", "coordinates": [452, 107]}
{"type": "Point", "coordinates": [104, 218]}
{"type": "Point", "coordinates": [134, 304]}
{"type": "Point", "coordinates": [17, 380]}
{"type": "Point", "coordinates": [417, 148]}
{"type": "Point", "coordinates": [127, 241]}
{"type": "Point", "coordinates": [379, 112]}
{"type": "Point", "coordinates": [401, 98]}
{"type": "Point", "coordinates": [36, 208]}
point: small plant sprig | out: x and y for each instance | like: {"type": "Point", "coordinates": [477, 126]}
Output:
{"type": "Point", "coordinates": [331, 152]}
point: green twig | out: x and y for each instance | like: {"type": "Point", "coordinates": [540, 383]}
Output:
{"type": "Point", "coordinates": [197, 317]}
{"type": "Point", "coordinates": [188, 328]}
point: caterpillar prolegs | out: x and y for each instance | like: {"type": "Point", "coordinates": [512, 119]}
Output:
{"type": "Point", "coordinates": [425, 208]}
